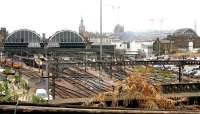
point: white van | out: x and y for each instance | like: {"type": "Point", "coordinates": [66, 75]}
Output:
{"type": "Point", "coordinates": [1, 70]}
{"type": "Point", "coordinates": [43, 94]}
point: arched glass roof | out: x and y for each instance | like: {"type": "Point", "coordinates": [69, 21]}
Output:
{"type": "Point", "coordinates": [187, 32]}
{"type": "Point", "coordinates": [23, 38]}
{"type": "Point", "coordinates": [66, 38]}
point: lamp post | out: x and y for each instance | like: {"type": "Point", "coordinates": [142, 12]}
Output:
{"type": "Point", "coordinates": [100, 53]}
{"type": "Point", "coordinates": [100, 30]}
{"type": "Point", "coordinates": [47, 69]}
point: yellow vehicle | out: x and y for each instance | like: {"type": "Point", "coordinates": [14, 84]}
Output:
{"type": "Point", "coordinates": [16, 66]}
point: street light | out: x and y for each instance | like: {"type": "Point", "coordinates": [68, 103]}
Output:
{"type": "Point", "coordinates": [100, 30]}
{"type": "Point", "coordinates": [46, 67]}
{"type": "Point", "coordinates": [100, 57]}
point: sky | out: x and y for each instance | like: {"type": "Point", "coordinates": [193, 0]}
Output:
{"type": "Point", "coordinates": [49, 16]}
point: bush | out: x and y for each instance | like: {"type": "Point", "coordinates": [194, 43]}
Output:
{"type": "Point", "coordinates": [38, 100]}
{"type": "Point", "coordinates": [7, 71]}
{"type": "Point", "coordinates": [143, 69]}
{"type": "Point", "coordinates": [166, 74]}
{"type": "Point", "coordinates": [5, 94]}
{"type": "Point", "coordinates": [17, 78]}
{"type": "Point", "coordinates": [2, 90]}
{"type": "Point", "coordinates": [139, 69]}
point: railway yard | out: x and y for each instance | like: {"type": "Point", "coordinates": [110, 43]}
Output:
{"type": "Point", "coordinates": [125, 57]}
{"type": "Point", "coordinates": [77, 81]}
{"type": "Point", "coordinates": [149, 85]}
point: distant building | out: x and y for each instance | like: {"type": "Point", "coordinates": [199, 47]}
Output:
{"type": "Point", "coordinates": [139, 48]}
{"type": "Point", "coordinates": [3, 35]}
{"type": "Point", "coordinates": [184, 39]}
{"type": "Point", "coordinates": [107, 46]}
{"type": "Point", "coordinates": [131, 46]}
{"type": "Point", "coordinates": [118, 29]}
{"type": "Point", "coordinates": [96, 38]}
{"type": "Point", "coordinates": [162, 46]}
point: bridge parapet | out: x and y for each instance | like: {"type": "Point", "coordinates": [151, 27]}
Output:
{"type": "Point", "coordinates": [180, 88]}
{"type": "Point", "coordinates": [136, 62]}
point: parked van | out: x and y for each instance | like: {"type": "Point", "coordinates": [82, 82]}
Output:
{"type": "Point", "coordinates": [43, 94]}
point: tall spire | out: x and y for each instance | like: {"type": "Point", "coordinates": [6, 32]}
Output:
{"type": "Point", "coordinates": [81, 27]}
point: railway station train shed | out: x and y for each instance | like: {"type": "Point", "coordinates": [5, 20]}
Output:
{"type": "Point", "coordinates": [22, 41]}
{"type": "Point", "coordinates": [64, 42]}
{"type": "Point", "coordinates": [23, 38]}
{"type": "Point", "coordinates": [185, 39]}
{"type": "Point", "coordinates": [67, 43]}
{"type": "Point", "coordinates": [66, 39]}
{"type": "Point", "coordinates": [74, 44]}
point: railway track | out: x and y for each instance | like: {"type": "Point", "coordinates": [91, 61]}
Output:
{"type": "Point", "coordinates": [87, 81]}
{"type": "Point", "coordinates": [117, 72]}
{"type": "Point", "coordinates": [80, 93]}
{"type": "Point", "coordinates": [80, 86]}
{"type": "Point", "coordinates": [30, 73]}
{"type": "Point", "coordinates": [86, 88]}
{"type": "Point", "coordinates": [68, 92]}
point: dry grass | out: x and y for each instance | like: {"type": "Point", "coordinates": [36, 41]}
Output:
{"type": "Point", "coordinates": [137, 87]}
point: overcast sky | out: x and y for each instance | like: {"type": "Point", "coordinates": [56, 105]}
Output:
{"type": "Point", "coordinates": [49, 16]}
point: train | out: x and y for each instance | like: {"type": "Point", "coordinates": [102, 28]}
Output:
{"type": "Point", "coordinates": [14, 63]}
{"type": "Point", "coordinates": [11, 63]}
